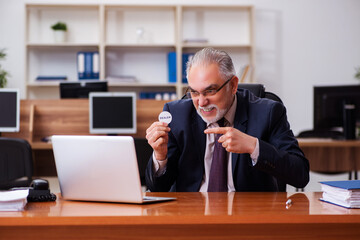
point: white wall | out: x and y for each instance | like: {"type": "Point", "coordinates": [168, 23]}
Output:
{"type": "Point", "coordinates": [300, 43]}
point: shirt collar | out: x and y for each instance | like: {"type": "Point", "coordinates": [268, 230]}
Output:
{"type": "Point", "coordinates": [230, 115]}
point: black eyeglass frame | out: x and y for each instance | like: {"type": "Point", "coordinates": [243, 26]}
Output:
{"type": "Point", "coordinates": [205, 93]}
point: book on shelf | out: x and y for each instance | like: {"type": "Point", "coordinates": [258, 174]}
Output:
{"type": "Point", "coordinates": [172, 66]}
{"type": "Point", "coordinates": [196, 40]}
{"type": "Point", "coordinates": [51, 78]}
{"type": "Point", "coordinates": [244, 73]}
{"type": "Point", "coordinates": [13, 200]}
{"type": "Point", "coordinates": [88, 65]}
{"type": "Point", "coordinates": [121, 79]}
{"type": "Point", "coordinates": [342, 193]}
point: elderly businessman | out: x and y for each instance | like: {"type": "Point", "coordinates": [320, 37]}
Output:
{"type": "Point", "coordinates": [222, 139]}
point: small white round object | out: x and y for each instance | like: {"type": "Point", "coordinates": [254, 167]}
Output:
{"type": "Point", "coordinates": [165, 117]}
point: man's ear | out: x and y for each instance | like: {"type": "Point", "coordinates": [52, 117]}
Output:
{"type": "Point", "coordinates": [234, 84]}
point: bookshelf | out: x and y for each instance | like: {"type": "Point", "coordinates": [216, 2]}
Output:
{"type": "Point", "coordinates": [132, 40]}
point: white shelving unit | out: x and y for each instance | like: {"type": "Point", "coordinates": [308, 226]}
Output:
{"type": "Point", "coordinates": [131, 41]}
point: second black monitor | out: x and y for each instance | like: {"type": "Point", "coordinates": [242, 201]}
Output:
{"type": "Point", "coordinates": [81, 89]}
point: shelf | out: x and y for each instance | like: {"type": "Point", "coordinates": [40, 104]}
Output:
{"type": "Point", "coordinates": [44, 84]}
{"type": "Point", "coordinates": [137, 45]}
{"type": "Point", "coordinates": [129, 25]}
{"type": "Point", "coordinates": [83, 23]}
{"type": "Point", "coordinates": [132, 40]}
{"type": "Point", "coordinates": [125, 84]}
{"type": "Point", "coordinates": [202, 45]}
{"type": "Point", "coordinates": [110, 84]}
{"type": "Point", "coordinates": [62, 45]}
{"type": "Point", "coordinates": [229, 25]}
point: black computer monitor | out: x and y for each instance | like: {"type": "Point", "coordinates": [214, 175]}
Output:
{"type": "Point", "coordinates": [81, 89]}
{"type": "Point", "coordinates": [112, 113]}
{"type": "Point", "coordinates": [329, 103]}
{"type": "Point", "coordinates": [9, 110]}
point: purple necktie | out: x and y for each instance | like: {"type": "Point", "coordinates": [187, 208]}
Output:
{"type": "Point", "coordinates": [218, 170]}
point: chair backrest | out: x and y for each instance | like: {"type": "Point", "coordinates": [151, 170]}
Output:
{"type": "Point", "coordinates": [16, 163]}
{"type": "Point", "coordinates": [272, 96]}
{"type": "Point", "coordinates": [143, 153]}
{"type": "Point", "coordinates": [256, 88]}
{"type": "Point", "coordinates": [259, 91]}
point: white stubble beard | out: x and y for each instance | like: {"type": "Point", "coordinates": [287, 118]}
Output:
{"type": "Point", "coordinates": [219, 113]}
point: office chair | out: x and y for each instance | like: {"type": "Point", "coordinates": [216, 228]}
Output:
{"type": "Point", "coordinates": [143, 153]}
{"type": "Point", "coordinates": [16, 163]}
{"type": "Point", "coordinates": [256, 88]}
{"type": "Point", "coordinates": [259, 91]}
{"type": "Point", "coordinates": [272, 96]}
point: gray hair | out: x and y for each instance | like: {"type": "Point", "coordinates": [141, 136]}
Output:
{"type": "Point", "coordinates": [208, 56]}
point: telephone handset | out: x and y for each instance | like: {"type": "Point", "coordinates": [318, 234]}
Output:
{"type": "Point", "coordinates": [39, 191]}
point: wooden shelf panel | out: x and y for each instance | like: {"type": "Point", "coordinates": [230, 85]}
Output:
{"type": "Point", "coordinates": [71, 116]}
{"type": "Point", "coordinates": [132, 40]}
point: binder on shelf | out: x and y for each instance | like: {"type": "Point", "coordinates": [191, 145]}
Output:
{"type": "Point", "coordinates": [88, 65]}
{"type": "Point", "coordinates": [342, 193]}
{"type": "Point", "coordinates": [172, 66]}
{"type": "Point", "coordinates": [185, 58]}
{"type": "Point", "coordinates": [81, 65]}
{"type": "Point", "coordinates": [95, 65]}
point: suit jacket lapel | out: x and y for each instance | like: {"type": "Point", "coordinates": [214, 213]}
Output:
{"type": "Point", "coordinates": [198, 126]}
{"type": "Point", "coordinates": [240, 123]}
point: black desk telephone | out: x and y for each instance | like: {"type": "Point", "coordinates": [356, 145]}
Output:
{"type": "Point", "coordinates": [39, 191]}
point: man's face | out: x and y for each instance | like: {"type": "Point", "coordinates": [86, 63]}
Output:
{"type": "Point", "coordinates": [211, 108]}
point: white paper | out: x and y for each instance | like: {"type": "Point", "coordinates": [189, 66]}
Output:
{"type": "Point", "coordinates": [13, 200]}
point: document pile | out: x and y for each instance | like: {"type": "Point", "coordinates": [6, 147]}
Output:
{"type": "Point", "coordinates": [13, 200]}
{"type": "Point", "coordinates": [342, 193]}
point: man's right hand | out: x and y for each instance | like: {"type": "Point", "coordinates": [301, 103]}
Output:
{"type": "Point", "coordinates": [157, 137]}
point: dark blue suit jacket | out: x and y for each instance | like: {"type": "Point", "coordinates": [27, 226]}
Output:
{"type": "Point", "coordinates": [280, 158]}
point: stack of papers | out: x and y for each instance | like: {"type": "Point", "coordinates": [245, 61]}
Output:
{"type": "Point", "coordinates": [342, 193]}
{"type": "Point", "coordinates": [13, 200]}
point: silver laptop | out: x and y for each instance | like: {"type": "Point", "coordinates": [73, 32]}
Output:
{"type": "Point", "coordinates": [99, 168]}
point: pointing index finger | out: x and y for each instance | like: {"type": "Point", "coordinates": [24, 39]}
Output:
{"type": "Point", "coordinates": [217, 130]}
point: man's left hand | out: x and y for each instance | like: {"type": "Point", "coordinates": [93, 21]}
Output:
{"type": "Point", "coordinates": [234, 140]}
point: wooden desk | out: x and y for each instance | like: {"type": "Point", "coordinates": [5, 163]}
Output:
{"type": "Point", "coordinates": [192, 216]}
{"type": "Point", "coordinates": [332, 156]}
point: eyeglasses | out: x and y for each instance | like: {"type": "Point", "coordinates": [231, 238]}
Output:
{"type": "Point", "coordinates": [206, 93]}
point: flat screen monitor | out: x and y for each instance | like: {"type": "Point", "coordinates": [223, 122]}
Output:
{"type": "Point", "coordinates": [112, 112]}
{"type": "Point", "coordinates": [81, 89]}
{"type": "Point", "coordinates": [9, 110]}
{"type": "Point", "coordinates": [329, 105]}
